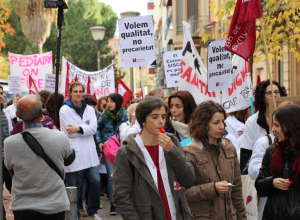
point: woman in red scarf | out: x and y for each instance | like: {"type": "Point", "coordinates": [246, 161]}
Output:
{"type": "Point", "coordinates": [279, 174]}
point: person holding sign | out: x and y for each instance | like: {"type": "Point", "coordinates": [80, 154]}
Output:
{"type": "Point", "coordinates": [150, 169]}
{"type": "Point", "coordinates": [182, 106]}
{"type": "Point", "coordinates": [279, 175]}
{"type": "Point", "coordinates": [217, 191]}
{"type": "Point", "coordinates": [258, 124]}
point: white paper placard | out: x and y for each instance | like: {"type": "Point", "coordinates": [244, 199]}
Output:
{"type": "Point", "coordinates": [14, 84]}
{"type": "Point", "coordinates": [37, 65]}
{"type": "Point", "coordinates": [172, 65]}
{"type": "Point", "coordinates": [137, 41]}
{"type": "Point", "coordinates": [50, 82]}
{"type": "Point", "coordinates": [219, 66]}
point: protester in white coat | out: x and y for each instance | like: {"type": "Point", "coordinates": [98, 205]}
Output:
{"type": "Point", "coordinates": [258, 124]}
{"type": "Point", "coordinates": [235, 123]}
{"type": "Point", "coordinates": [79, 122]}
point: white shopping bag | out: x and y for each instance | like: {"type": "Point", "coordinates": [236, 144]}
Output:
{"type": "Point", "coordinates": [250, 197]}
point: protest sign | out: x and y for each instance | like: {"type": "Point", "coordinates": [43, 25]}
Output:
{"type": "Point", "coordinates": [14, 84]}
{"type": "Point", "coordinates": [137, 41]}
{"type": "Point", "coordinates": [103, 81]}
{"type": "Point", "coordinates": [172, 65]}
{"type": "Point", "coordinates": [193, 74]}
{"type": "Point", "coordinates": [193, 78]}
{"type": "Point", "coordinates": [50, 82]}
{"type": "Point", "coordinates": [36, 65]}
{"type": "Point", "coordinates": [219, 67]}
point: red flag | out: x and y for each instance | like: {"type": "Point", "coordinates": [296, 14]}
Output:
{"type": "Point", "coordinates": [32, 87]}
{"type": "Point", "coordinates": [241, 38]}
{"type": "Point", "coordinates": [76, 79]}
{"type": "Point", "coordinates": [69, 81]}
{"type": "Point", "coordinates": [141, 94]}
{"type": "Point", "coordinates": [88, 87]}
{"type": "Point", "coordinates": [258, 80]}
{"type": "Point", "coordinates": [124, 91]}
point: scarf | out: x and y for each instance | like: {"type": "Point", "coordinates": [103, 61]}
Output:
{"type": "Point", "coordinates": [276, 164]}
{"type": "Point", "coordinates": [115, 117]}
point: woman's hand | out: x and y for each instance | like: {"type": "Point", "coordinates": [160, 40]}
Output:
{"type": "Point", "coordinates": [100, 146]}
{"type": "Point", "coordinates": [280, 183]}
{"type": "Point", "coordinates": [164, 141]}
{"type": "Point", "coordinates": [222, 187]}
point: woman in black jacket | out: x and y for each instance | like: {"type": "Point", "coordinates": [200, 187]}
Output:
{"type": "Point", "coordinates": [279, 174]}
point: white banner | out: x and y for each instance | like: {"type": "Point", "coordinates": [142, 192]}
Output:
{"type": "Point", "coordinates": [237, 97]}
{"type": "Point", "coordinates": [219, 66]}
{"type": "Point", "coordinates": [137, 41]}
{"type": "Point", "coordinates": [37, 65]}
{"type": "Point", "coordinates": [193, 78]}
{"type": "Point", "coordinates": [14, 84]}
{"type": "Point", "coordinates": [103, 81]}
{"type": "Point", "coordinates": [172, 64]}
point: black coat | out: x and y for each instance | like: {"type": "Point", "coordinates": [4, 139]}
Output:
{"type": "Point", "coordinates": [280, 204]}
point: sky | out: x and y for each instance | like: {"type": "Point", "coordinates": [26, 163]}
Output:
{"type": "Point", "coordinates": [119, 6]}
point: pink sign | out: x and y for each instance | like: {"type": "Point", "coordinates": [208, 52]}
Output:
{"type": "Point", "coordinates": [36, 65]}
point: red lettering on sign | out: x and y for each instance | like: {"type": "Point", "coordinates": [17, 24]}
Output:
{"type": "Point", "coordinates": [195, 80]}
{"type": "Point", "coordinates": [187, 74]}
{"type": "Point", "coordinates": [182, 64]}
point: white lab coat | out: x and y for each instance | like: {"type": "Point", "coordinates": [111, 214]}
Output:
{"type": "Point", "coordinates": [83, 144]}
{"type": "Point", "coordinates": [10, 125]}
{"type": "Point", "coordinates": [235, 130]}
{"type": "Point", "coordinates": [252, 132]}
{"type": "Point", "coordinates": [255, 162]}
{"type": "Point", "coordinates": [126, 130]}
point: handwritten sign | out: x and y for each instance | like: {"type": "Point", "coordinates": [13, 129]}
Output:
{"type": "Point", "coordinates": [37, 65]}
{"type": "Point", "coordinates": [172, 65]}
{"type": "Point", "coordinates": [14, 84]}
{"type": "Point", "coordinates": [103, 81]}
{"type": "Point", "coordinates": [137, 41]}
{"type": "Point", "coordinates": [219, 66]}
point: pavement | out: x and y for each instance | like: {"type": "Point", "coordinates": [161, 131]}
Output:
{"type": "Point", "coordinates": [104, 213]}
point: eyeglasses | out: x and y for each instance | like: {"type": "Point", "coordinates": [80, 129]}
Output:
{"type": "Point", "coordinates": [270, 92]}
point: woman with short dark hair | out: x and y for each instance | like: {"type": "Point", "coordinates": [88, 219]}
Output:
{"type": "Point", "coordinates": [216, 166]}
{"type": "Point", "coordinates": [182, 106]}
{"type": "Point", "coordinates": [150, 169]}
{"type": "Point", "coordinates": [49, 108]}
{"type": "Point", "coordinates": [257, 125]}
{"type": "Point", "coordinates": [279, 173]}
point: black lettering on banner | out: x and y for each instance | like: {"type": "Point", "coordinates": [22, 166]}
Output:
{"type": "Point", "coordinates": [188, 48]}
{"type": "Point", "coordinates": [228, 104]}
{"type": "Point", "coordinates": [233, 69]}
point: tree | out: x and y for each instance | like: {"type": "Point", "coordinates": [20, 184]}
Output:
{"type": "Point", "coordinates": [4, 66]}
{"type": "Point", "coordinates": [280, 19]}
{"type": "Point", "coordinates": [36, 20]}
{"type": "Point", "coordinates": [5, 27]}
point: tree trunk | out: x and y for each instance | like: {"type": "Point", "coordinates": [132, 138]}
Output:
{"type": "Point", "coordinates": [40, 47]}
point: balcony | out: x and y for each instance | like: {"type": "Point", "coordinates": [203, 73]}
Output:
{"type": "Point", "coordinates": [196, 22]}
{"type": "Point", "coordinates": [169, 30]}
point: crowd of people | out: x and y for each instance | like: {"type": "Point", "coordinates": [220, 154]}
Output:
{"type": "Point", "coordinates": [152, 176]}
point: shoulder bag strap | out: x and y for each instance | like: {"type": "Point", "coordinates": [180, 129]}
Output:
{"type": "Point", "coordinates": [38, 150]}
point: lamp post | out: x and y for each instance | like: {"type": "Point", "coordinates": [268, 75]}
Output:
{"type": "Point", "coordinates": [98, 34]}
{"type": "Point", "coordinates": [130, 14]}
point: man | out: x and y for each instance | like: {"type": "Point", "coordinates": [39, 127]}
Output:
{"type": "Point", "coordinates": [6, 129]}
{"type": "Point", "coordinates": [12, 108]}
{"type": "Point", "coordinates": [79, 122]}
{"type": "Point", "coordinates": [38, 191]}
{"type": "Point", "coordinates": [158, 92]}
{"type": "Point", "coordinates": [3, 101]}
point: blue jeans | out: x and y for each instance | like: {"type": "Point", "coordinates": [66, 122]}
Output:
{"type": "Point", "coordinates": [76, 179]}
{"type": "Point", "coordinates": [109, 168]}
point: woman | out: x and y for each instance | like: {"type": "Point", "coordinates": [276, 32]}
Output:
{"type": "Point", "coordinates": [257, 125]}
{"type": "Point", "coordinates": [108, 125]}
{"type": "Point", "coordinates": [130, 127]}
{"type": "Point", "coordinates": [215, 162]}
{"type": "Point", "coordinates": [147, 179]}
{"type": "Point", "coordinates": [278, 177]}
{"type": "Point", "coordinates": [101, 104]}
{"type": "Point", "coordinates": [49, 110]}
{"type": "Point", "coordinates": [181, 105]}
{"type": "Point", "coordinates": [44, 95]}
{"type": "Point", "coordinates": [235, 123]}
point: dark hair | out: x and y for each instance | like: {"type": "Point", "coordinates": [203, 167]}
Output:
{"type": "Point", "coordinates": [288, 117]}
{"type": "Point", "coordinates": [50, 103]}
{"type": "Point", "coordinates": [73, 84]}
{"type": "Point", "coordinates": [118, 99]}
{"type": "Point", "coordinates": [146, 106]}
{"type": "Point", "coordinates": [89, 100]}
{"type": "Point", "coordinates": [1, 87]}
{"type": "Point", "coordinates": [259, 94]}
{"type": "Point", "coordinates": [189, 104]}
{"type": "Point", "coordinates": [44, 95]}
{"type": "Point", "coordinates": [200, 118]}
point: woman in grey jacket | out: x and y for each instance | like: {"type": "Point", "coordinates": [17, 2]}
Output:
{"type": "Point", "coordinates": [150, 170]}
